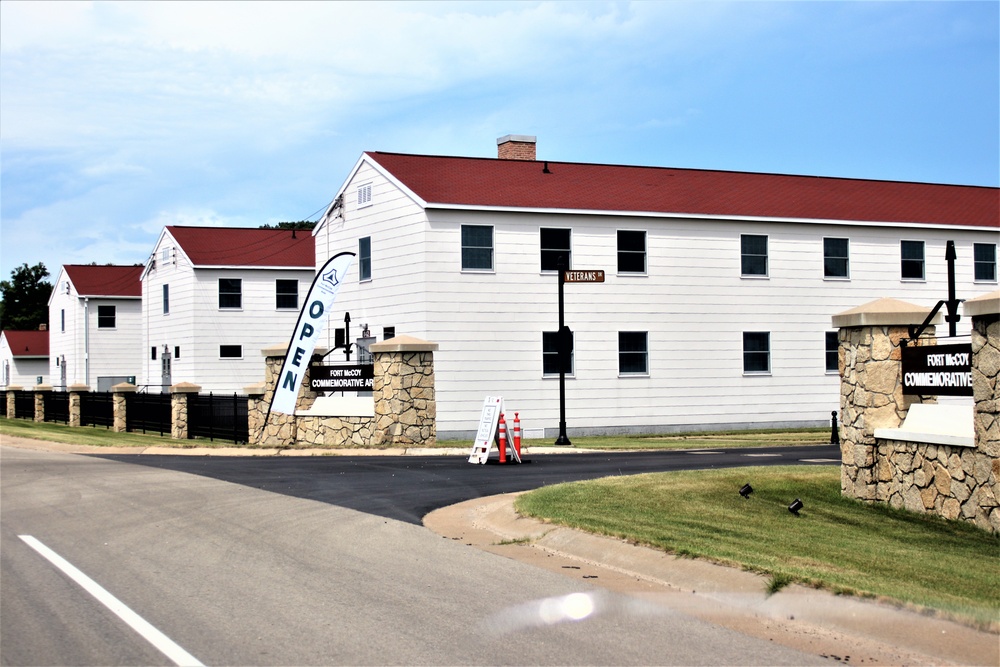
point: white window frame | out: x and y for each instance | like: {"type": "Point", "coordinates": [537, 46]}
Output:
{"type": "Point", "coordinates": [644, 353]}
{"type": "Point", "coordinates": [239, 307]}
{"type": "Point", "coordinates": [277, 293]}
{"type": "Point", "coordinates": [542, 249]}
{"type": "Point", "coordinates": [768, 352]}
{"type": "Point", "coordinates": [114, 317]}
{"type": "Point", "coordinates": [492, 247]}
{"type": "Point", "coordinates": [364, 259]}
{"type": "Point", "coordinates": [976, 263]}
{"type": "Point", "coordinates": [644, 252]}
{"type": "Point", "coordinates": [923, 261]}
{"type": "Point", "coordinates": [766, 256]}
{"type": "Point", "coordinates": [847, 259]}
{"type": "Point", "coordinates": [230, 357]}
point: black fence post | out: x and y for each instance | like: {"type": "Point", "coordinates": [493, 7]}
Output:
{"type": "Point", "coordinates": [834, 431]}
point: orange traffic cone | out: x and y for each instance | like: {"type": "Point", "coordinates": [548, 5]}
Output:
{"type": "Point", "coordinates": [517, 435]}
{"type": "Point", "coordinates": [503, 440]}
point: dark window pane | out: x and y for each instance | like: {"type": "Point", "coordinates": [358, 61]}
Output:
{"type": "Point", "coordinates": [555, 244]}
{"type": "Point", "coordinates": [831, 351]}
{"type": "Point", "coordinates": [756, 352]}
{"type": "Point", "coordinates": [365, 258]}
{"type": "Point", "coordinates": [835, 258]}
{"type": "Point", "coordinates": [106, 317]}
{"type": "Point", "coordinates": [631, 252]}
{"type": "Point", "coordinates": [477, 247]}
{"type": "Point", "coordinates": [550, 353]}
{"type": "Point", "coordinates": [753, 251]}
{"type": "Point", "coordinates": [231, 351]}
{"type": "Point", "coordinates": [985, 261]}
{"type": "Point", "coordinates": [912, 259]}
{"type": "Point", "coordinates": [230, 293]}
{"type": "Point", "coordinates": [632, 352]}
{"type": "Point", "coordinates": [286, 293]}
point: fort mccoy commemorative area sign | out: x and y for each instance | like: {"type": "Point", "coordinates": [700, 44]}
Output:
{"type": "Point", "coordinates": [942, 370]}
{"type": "Point", "coordinates": [342, 378]}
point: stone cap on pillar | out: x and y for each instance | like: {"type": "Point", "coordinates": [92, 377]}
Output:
{"type": "Point", "coordinates": [42, 387]}
{"type": "Point", "coordinates": [281, 349]}
{"type": "Point", "coordinates": [123, 388]}
{"type": "Point", "coordinates": [403, 344]}
{"type": "Point", "coordinates": [78, 388]}
{"type": "Point", "coordinates": [986, 304]}
{"type": "Point", "coordinates": [884, 312]}
{"type": "Point", "coordinates": [258, 389]}
{"type": "Point", "coordinates": [184, 388]}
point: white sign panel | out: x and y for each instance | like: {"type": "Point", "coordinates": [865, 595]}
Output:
{"type": "Point", "coordinates": [312, 320]}
{"type": "Point", "coordinates": [492, 407]}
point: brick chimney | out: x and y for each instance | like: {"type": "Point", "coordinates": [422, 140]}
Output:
{"type": "Point", "coordinates": [516, 147]}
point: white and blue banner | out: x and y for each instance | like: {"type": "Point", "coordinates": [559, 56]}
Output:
{"type": "Point", "coordinates": [312, 320]}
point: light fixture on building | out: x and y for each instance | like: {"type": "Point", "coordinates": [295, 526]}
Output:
{"type": "Point", "coordinates": [746, 490]}
{"type": "Point", "coordinates": [795, 507]}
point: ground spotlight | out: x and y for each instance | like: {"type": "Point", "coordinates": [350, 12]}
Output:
{"type": "Point", "coordinates": [795, 507]}
{"type": "Point", "coordinates": [746, 490]}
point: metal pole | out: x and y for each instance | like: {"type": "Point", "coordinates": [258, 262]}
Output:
{"type": "Point", "coordinates": [563, 439]}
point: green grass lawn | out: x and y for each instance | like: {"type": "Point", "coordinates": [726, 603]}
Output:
{"type": "Point", "coordinates": [835, 542]}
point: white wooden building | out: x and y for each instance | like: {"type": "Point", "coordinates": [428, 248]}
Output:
{"type": "Point", "coordinates": [716, 306]}
{"type": "Point", "coordinates": [95, 320]}
{"type": "Point", "coordinates": [213, 298]}
{"type": "Point", "coordinates": [24, 358]}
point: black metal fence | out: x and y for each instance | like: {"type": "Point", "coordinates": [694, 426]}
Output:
{"type": "Point", "coordinates": [56, 406]}
{"type": "Point", "coordinates": [97, 409]}
{"type": "Point", "coordinates": [24, 404]}
{"type": "Point", "coordinates": [224, 417]}
{"type": "Point", "coordinates": [3, 403]}
{"type": "Point", "coordinates": [147, 412]}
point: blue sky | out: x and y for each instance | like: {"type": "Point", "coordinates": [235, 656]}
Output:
{"type": "Point", "coordinates": [117, 119]}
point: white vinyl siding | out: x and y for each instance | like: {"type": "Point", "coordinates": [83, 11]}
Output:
{"type": "Point", "coordinates": [693, 304]}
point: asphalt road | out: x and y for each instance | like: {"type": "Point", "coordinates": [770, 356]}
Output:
{"type": "Point", "coordinates": [315, 561]}
{"type": "Point", "coordinates": [406, 488]}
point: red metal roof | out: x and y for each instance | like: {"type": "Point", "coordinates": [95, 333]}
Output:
{"type": "Point", "coordinates": [28, 343]}
{"type": "Point", "coordinates": [91, 280]}
{"type": "Point", "coordinates": [597, 187]}
{"type": "Point", "coordinates": [239, 246]}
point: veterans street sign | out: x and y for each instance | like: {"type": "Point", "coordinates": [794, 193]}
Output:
{"type": "Point", "coordinates": [594, 276]}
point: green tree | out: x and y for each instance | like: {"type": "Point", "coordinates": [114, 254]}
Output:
{"type": "Point", "coordinates": [299, 224]}
{"type": "Point", "coordinates": [24, 299]}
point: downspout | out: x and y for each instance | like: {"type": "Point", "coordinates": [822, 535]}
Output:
{"type": "Point", "coordinates": [86, 340]}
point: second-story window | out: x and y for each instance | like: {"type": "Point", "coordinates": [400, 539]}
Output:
{"type": "Point", "coordinates": [836, 258]}
{"type": "Point", "coordinates": [286, 294]}
{"type": "Point", "coordinates": [631, 251]}
{"type": "Point", "coordinates": [555, 245]}
{"type": "Point", "coordinates": [911, 255]}
{"type": "Point", "coordinates": [106, 316]}
{"type": "Point", "coordinates": [166, 299]}
{"type": "Point", "coordinates": [753, 255]}
{"type": "Point", "coordinates": [477, 248]}
{"type": "Point", "coordinates": [365, 258]}
{"type": "Point", "coordinates": [230, 292]}
{"type": "Point", "coordinates": [985, 262]}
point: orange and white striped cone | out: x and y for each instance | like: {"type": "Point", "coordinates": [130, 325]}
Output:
{"type": "Point", "coordinates": [503, 440]}
{"type": "Point", "coordinates": [517, 436]}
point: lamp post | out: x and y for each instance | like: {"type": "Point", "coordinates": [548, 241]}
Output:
{"type": "Point", "coordinates": [563, 439]}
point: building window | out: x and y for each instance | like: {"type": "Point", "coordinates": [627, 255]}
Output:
{"type": "Point", "coordinates": [365, 258]}
{"type": "Point", "coordinates": [166, 299]}
{"type": "Point", "coordinates": [388, 332]}
{"type": "Point", "coordinates": [364, 195]}
{"type": "Point", "coordinates": [230, 351]}
{"type": "Point", "coordinates": [633, 353]}
{"type": "Point", "coordinates": [631, 252]}
{"type": "Point", "coordinates": [985, 261]}
{"type": "Point", "coordinates": [753, 255]}
{"type": "Point", "coordinates": [477, 248]}
{"type": "Point", "coordinates": [62, 320]}
{"type": "Point", "coordinates": [911, 260]}
{"type": "Point", "coordinates": [286, 294]}
{"type": "Point", "coordinates": [230, 292]}
{"type": "Point", "coordinates": [152, 353]}
{"type": "Point", "coordinates": [555, 245]}
{"type": "Point", "coordinates": [756, 352]}
{"type": "Point", "coordinates": [836, 258]}
{"type": "Point", "coordinates": [177, 351]}
{"type": "Point", "coordinates": [550, 354]}
{"type": "Point", "coordinates": [832, 355]}
{"type": "Point", "coordinates": [165, 255]}
{"type": "Point", "coordinates": [106, 317]}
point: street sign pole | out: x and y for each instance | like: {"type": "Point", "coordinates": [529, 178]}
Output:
{"type": "Point", "coordinates": [563, 439]}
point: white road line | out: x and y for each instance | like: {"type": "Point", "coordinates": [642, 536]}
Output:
{"type": "Point", "coordinates": [701, 451]}
{"type": "Point", "coordinates": [159, 640]}
{"type": "Point", "coordinates": [820, 460]}
{"type": "Point", "coordinates": [762, 456]}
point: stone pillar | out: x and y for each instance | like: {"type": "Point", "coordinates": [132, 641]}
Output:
{"type": "Point", "coordinates": [76, 403]}
{"type": "Point", "coordinates": [118, 402]}
{"type": "Point", "coordinates": [405, 403]}
{"type": "Point", "coordinates": [280, 429]}
{"type": "Point", "coordinates": [12, 400]}
{"type": "Point", "coordinates": [871, 387]}
{"type": "Point", "coordinates": [40, 391]}
{"type": "Point", "coordinates": [179, 409]}
{"type": "Point", "coordinates": [984, 311]}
